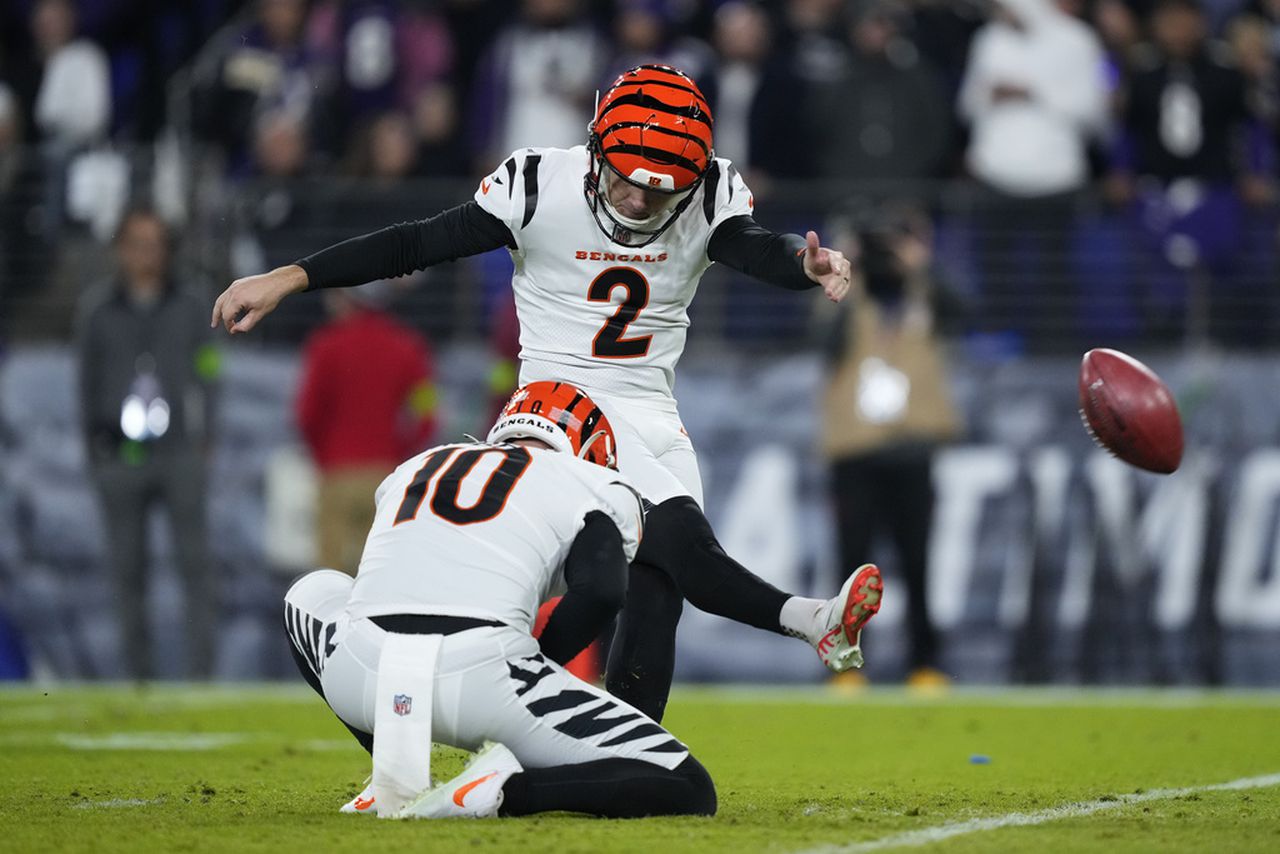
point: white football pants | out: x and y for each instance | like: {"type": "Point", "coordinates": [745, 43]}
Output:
{"type": "Point", "coordinates": [654, 451]}
{"type": "Point", "coordinates": [491, 684]}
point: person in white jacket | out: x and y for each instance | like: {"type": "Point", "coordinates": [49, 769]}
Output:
{"type": "Point", "coordinates": [1034, 95]}
{"type": "Point", "coordinates": [72, 109]}
{"type": "Point", "coordinates": [73, 104]}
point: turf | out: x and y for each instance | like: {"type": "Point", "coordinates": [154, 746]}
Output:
{"type": "Point", "coordinates": [264, 769]}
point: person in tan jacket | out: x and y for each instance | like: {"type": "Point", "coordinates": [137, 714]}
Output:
{"type": "Point", "coordinates": [886, 409]}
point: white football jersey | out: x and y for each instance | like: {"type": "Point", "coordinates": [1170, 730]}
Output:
{"type": "Point", "coordinates": [592, 312]}
{"type": "Point", "coordinates": [479, 530]}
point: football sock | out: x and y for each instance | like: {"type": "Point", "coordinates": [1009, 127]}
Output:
{"type": "Point", "coordinates": [680, 540]}
{"type": "Point", "coordinates": [642, 657]}
{"type": "Point", "coordinates": [804, 618]}
{"type": "Point", "coordinates": [611, 788]}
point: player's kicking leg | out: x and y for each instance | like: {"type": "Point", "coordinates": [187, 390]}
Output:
{"type": "Point", "coordinates": [680, 544]}
{"type": "Point", "coordinates": [680, 558]}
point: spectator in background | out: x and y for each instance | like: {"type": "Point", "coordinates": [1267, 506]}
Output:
{"type": "Point", "coordinates": [279, 212]}
{"type": "Point", "coordinates": [741, 38]}
{"type": "Point", "coordinates": [1034, 94]}
{"type": "Point", "coordinates": [281, 209]}
{"type": "Point", "coordinates": [72, 108]}
{"type": "Point", "coordinates": [387, 150]}
{"type": "Point", "coordinates": [11, 213]}
{"type": "Point", "coordinates": [73, 104]}
{"type": "Point", "coordinates": [267, 69]}
{"type": "Point", "coordinates": [1255, 41]}
{"type": "Point", "coordinates": [281, 150]}
{"type": "Point", "coordinates": [1184, 161]}
{"type": "Point", "coordinates": [1267, 11]}
{"type": "Point", "coordinates": [149, 41]}
{"type": "Point", "coordinates": [147, 370]}
{"type": "Point", "coordinates": [394, 145]}
{"type": "Point", "coordinates": [366, 402]}
{"type": "Point", "coordinates": [441, 153]}
{"type": "Point", "coordinates": [644, 32]}
{"type": "Point", "coordinates": [536, 85]}
{"type": "Point", "coordinates": [1120, 31]}
{"type": "Point", "coordinates": [810, 52]}
{"type": "Point", "coordinates": [387, 154]}
{"type": "Point", "coordinates": [385, 52]}
{"type": "Point", "coordinates": [1186, 103]}
{"type": "Point", "coordinates": [10, 138]}
{"type": "Point", "coordinates": [884, 116]}
{"type": "Point", "coordinates": [886, 410]}
{"type": "Point", "coordinates": [472, 24]}
{"type": "Point", "coordinates": [25, 238]}
{"type": "Point", "coordinates": [943, 30]}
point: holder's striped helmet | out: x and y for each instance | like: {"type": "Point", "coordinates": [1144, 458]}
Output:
{"type": "Point", "coordinates": [563, 416]}
{"type": "Point", "coordinates": [652, 129]}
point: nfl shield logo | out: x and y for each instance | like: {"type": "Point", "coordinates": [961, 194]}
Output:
{"type": "Point", "coordinates": [402, 704]}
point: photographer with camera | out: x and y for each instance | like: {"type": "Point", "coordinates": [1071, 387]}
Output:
{"type": "Point", "coordinates": [886, 409]}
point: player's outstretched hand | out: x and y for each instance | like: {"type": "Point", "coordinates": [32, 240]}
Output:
{"type": "Point", "coordinates": [827, 267]}
{"type": "Point", "coordinates": [248, 300]}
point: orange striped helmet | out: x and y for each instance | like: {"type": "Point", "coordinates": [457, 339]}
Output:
{"type": "Point", "coordinates": [652, 129]}
{"type": "Point", "coordinates": [563, 416]}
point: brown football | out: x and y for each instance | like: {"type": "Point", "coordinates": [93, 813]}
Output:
{"type": "Point", "coordinates": [1129, 411]}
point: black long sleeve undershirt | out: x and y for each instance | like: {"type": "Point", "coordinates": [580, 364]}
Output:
{"type": "Point", "coordinates": [749, 248]}
{"type": "Point", "coordinates": [407, 247]}
{"type": "Point", "coordinates": [465, 230]}
{"type": "Point", "coordinates": [596, 574]}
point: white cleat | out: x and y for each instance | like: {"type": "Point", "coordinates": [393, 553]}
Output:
{"type": "Point", "coordinates": [475, 793]}
{"type": "Point", "coordinates": [362, 804]}
{"type": "Point", "coordinates": [840, 648]}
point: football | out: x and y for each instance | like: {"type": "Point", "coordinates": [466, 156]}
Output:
{"type": "Point", "coordinates": [1129, 411]}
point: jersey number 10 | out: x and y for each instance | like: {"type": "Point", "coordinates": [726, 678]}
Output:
{"type": "Point", "coordinates": [444, 496]}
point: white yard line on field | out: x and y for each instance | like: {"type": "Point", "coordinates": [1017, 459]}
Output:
{"type": "Point", "coordinates": [941, 832]}
{"type": "Point", "coordinates": [116, 803]}
{"type": "Point", "coordinates": [152, 740]}
{"type": "Point", "coordinates": [184, 741]}
{"type": "Point", "coordinates": [168, 741]}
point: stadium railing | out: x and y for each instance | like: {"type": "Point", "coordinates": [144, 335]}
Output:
{"type": "Point", "coordinates": [1145, 273]}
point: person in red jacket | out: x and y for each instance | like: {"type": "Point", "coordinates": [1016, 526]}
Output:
{"type": "Point", "coordinates": [367, 401]}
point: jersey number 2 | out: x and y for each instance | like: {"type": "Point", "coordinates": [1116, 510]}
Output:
{"type": "Point", "coordinates": [444, 498]}
{"type": "Point", "coordinates": [609, 343]}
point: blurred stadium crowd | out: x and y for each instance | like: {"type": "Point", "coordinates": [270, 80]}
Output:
{"type": "Point", "coordinates": [1084, 169]}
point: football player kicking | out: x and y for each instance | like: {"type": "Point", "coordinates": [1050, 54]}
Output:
{"type": "Point", "coordinates": [609, 242]}
{"type": "Point", "coordinates": [431, 640]}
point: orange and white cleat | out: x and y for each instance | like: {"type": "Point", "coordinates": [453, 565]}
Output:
{"type": "Point", "coordinates": [475, 793]}
{"type": "Point", "coordinates": [840, 647]}
{"type": "Point", "coordinates": [363, 803]}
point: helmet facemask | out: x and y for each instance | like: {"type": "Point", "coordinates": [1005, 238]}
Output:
{"type": "Point", "coordinates": [601, 183]}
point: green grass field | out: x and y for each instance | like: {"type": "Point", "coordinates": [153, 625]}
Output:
{"type": "Point", "coordinates": [265, 769]}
